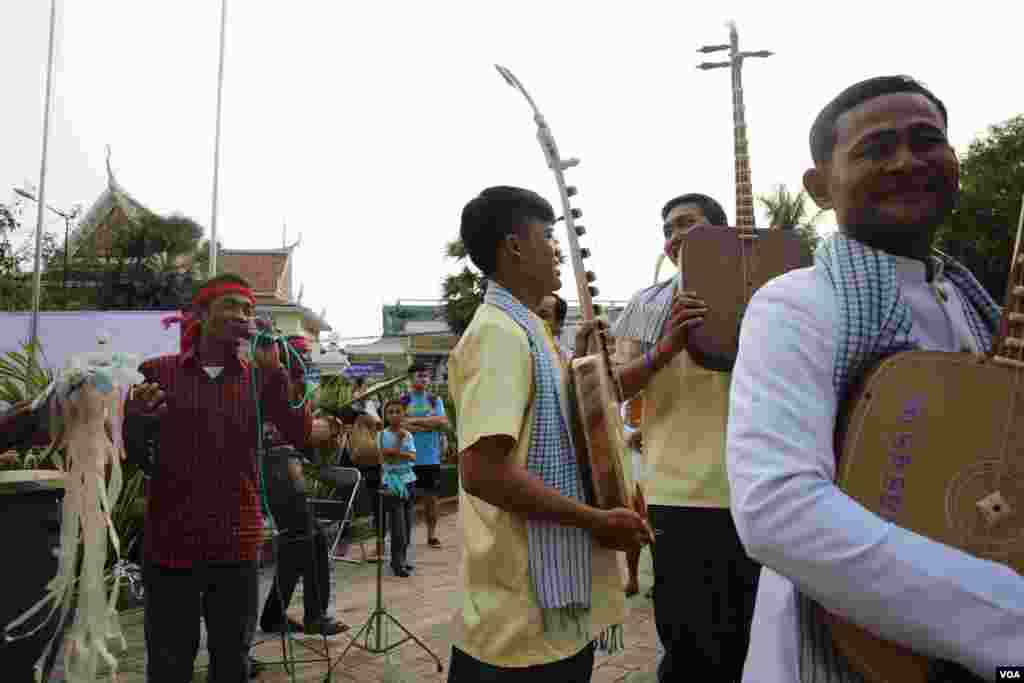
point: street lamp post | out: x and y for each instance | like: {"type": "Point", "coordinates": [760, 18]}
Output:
{"type": "Point", "coordinates": [68, 217]}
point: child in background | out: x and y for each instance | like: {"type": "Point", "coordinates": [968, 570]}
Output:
{"type": "Point", "coordinates": [398, 454]}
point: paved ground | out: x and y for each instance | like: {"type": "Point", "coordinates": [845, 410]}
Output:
{"type": "Point", "coordinates": [423, 603]}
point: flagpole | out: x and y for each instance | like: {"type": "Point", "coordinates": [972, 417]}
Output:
{"type": "Point", "coordinates": [216, 144]}
{"type": "Point", "coordinates": [37, 279]}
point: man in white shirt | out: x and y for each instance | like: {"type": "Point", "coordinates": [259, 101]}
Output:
{"type": "Point", "coordinates": [883, 162]}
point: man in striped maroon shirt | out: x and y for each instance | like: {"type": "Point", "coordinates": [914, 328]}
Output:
{"type": "Point", "coordinates": [204, 524]}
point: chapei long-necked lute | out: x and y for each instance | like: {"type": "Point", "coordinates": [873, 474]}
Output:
{"type": "Point", "coordinates": [597, 395]}
{"type": "Point", "coordinates": [724, 266]}
{"type": "Point", "coordinates": [934, 443]}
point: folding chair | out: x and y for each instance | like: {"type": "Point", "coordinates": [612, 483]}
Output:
{"type": "Point", "coordinates": [330, 511]}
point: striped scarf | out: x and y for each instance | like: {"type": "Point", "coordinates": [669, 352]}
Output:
{"type": "Point", "coordinates": [874, 322]}
{"type": "Point", "coordinates": [559, 556]}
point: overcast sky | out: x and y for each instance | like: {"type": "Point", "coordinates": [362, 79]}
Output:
{"type": "Point", "coordinates": [367, 126]}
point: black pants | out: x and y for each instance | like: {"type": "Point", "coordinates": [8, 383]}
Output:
{"type": "Point", "coordinates": [575, 669]}
{"type": "Point", "coordinates": [400, 515]}
{"type": "Point", "coordinates": [298, 555]}
{"type": "Point", "coordinates": [224, 595]}
{"type": "Point", "coordinates": [704, 591]}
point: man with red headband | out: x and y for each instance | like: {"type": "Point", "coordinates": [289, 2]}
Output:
{"type": "Point", "coordinates": [204, 525]}
{"type": "Point", "coordinates": [704, 583]}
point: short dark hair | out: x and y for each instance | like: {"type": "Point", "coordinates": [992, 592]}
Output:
{"type": "Point", "coordinates": [823, 130]}
{"type": "Point", "coordinates": [417, 367]}
{"type": "Point", "coordinates": [390, 402]}
{"type": "Point", "coordinates": [360, 382]}
{"type": "Point", "coordinates": [494, 214]}
{"type": "Point", "coordinates": [561, 309]}
{"type": "Point", "coordinates": [348, 415]}
{"type": "Point", "coordinates": [713, 211]}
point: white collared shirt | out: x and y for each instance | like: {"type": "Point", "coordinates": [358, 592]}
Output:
{"type": "Point", "coordinates": [795, 521]}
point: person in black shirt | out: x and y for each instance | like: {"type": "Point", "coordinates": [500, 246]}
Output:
{"type": "Point", "coordinates": [302, 546]}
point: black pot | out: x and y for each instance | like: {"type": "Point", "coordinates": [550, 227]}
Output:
{"type": "Point", "coordinates": [30, 518]}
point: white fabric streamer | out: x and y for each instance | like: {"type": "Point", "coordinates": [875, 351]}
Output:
{"type": "Point", "coordinates": [89, 396]}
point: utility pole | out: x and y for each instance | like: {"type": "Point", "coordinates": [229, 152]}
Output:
{"type": "Point", "coordinates": [37, 280]}
{"type": "Point", "coordinates": [216, 144]}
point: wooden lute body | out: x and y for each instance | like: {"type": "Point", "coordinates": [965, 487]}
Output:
{"type": "Point", "coordinates": [598, 431]}
{"type": "Point", "coordinates": [934, 443]}
{"type": "Point", "coordinates": [930, 439]}
{"type": "Point", "coordinates": [725, 266]}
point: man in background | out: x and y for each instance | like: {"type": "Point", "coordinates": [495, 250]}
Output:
{"type": "Point", "coordinates": [425, 418]}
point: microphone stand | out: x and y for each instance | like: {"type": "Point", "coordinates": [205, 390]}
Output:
{"type": "Point", "coordinates": [373, 629]}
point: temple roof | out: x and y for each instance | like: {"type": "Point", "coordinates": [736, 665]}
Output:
{"type": "Point", "coordinates": [269, 271]}
{"type": "Point", "coordinates": [112, 209]}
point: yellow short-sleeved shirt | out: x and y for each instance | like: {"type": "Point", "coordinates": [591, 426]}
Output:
{"type": "Point", "coordinates": [686, 410]}
{"type": "Point", "coordinates": [490, 376]}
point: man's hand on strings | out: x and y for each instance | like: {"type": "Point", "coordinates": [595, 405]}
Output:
{"type": "Point", "coordinates": [622, 529]}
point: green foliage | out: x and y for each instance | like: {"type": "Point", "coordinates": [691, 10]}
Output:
{"type": "Point", "coordinates": [21, 379]}
{"type": "Point", "coordinates": [982, 228]}
{"type": "Point", "coordinates": [462, 292]}
{"type": "Point", "coordinates": [17, 263]}
{"type": "Point", "coordinates": [160, 242]}
{"type": "Point", "coordinates": [786, 211]}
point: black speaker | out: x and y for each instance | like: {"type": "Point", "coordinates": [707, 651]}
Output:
{"type": "Point", "coordinates": [30, 517]}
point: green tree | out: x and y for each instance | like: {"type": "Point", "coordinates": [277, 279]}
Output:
{"type": "Point", "coordinates": [981, 230]}
{"type": "Point", "coordinates": [154, 262]}
{"type": "Point", "coordinates": [787, 211]}
{"type": "Point", "coordinates": [17, 263]}
{"type": "Point", "coordinates": [462, 292]}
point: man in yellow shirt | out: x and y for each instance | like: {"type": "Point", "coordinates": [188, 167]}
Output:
{"type": "Point", "coordinates": [704, 582]}
{"type": "Point", "coordinates": [541, 577]}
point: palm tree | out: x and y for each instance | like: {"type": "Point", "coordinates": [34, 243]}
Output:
{"type": "Point", "coordinates": [462, 292]}
{"type": "Point", "coordinates": [786, 211]}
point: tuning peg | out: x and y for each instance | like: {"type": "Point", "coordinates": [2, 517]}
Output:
{"type": "Point", "coordinates": [590, 276]}
{"type": "Point", "coordinates": [594, 291]}
{"type": "Point", "coordinates": [576, 213]}
{"type": "Point", "coordinates": [585, 253]}
{"type": "Point", "coordinates": [571, 191]}
{"type": "Point", "coordinates": [580, 230]}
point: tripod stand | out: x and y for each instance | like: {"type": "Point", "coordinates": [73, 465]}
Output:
{"type": "Point", "coordinates": [373, 629]}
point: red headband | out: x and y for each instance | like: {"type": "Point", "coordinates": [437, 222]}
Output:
{"type": "Point", "coordinates": [215, 291]}
{"type": "Point", "coordinates": [299, 343]}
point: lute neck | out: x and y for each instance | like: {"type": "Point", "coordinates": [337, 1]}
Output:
{"type": "Point", "coordinates": [1009, 344]}
{"type": "Point", "coordinates": [744, 188]}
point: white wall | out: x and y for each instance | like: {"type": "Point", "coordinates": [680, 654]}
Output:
{"type": "Point", "coordinates": [65, 333]}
